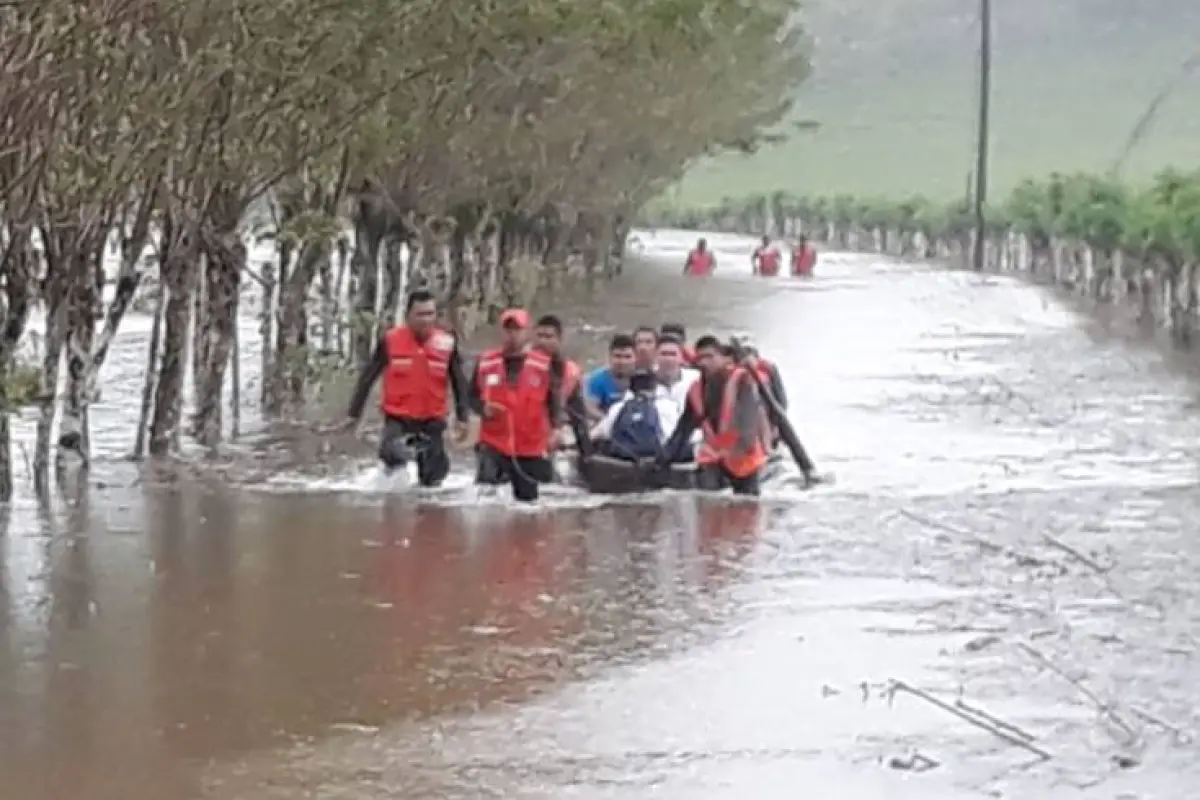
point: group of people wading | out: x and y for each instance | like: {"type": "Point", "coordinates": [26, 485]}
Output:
{"type": "Point", "coordinates": [765, 261]}
{"type": "Point", "coordinates": [657, 402]}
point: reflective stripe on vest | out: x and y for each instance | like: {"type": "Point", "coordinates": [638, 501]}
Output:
{"type": "Point", "coordinates": [523, 428]}
{"type": "Point", "coordinates": [414, 384]}
{"type": "Point", "coordinates": [719, 445]}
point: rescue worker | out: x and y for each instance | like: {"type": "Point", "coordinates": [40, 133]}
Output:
{"type": "Point", "coordinates": [547, 337]}
{"type": "Point", "coordinates": [513, 389]}
{"type": "Point", "coordinates": [700, 261]}
{"type": "Point", "coordinates": [417, 361]}
{"type": "Point", "coordinates": [765, 259]}
{"type": "Point", "coordinates": [679, 332]}
{"type": "Point", "coordinates": [725, 405]}
{"type": "Point", "coordinates": [604, 386]}
{"type": "Point", "coordinates": [645, 348]}
{"type": "Point", "coordinates": [804, 258]}
{"type": "Point", "coordinates": [765, 370]}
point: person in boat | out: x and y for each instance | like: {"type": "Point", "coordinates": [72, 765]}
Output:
{"type": "Point", "coordinates": [604, 386]}
{"type": "Point", "coordinates": [419, 364]}
{"type": "Point", "coordinates": [547, 337]}
{"type": "Point", "coordinates": [804, 258]}
{"type": "Point", "coordinates": [700, 261]}
{"type": "Point", "coordinates": [517, 395]}
{"type": "Point", "coordinates": [764, 261]}
{"type": "Point", "coordinates": [724, 404]}
{"type": "Point", "coordinates": [678, 331]}
{"type": "Point", "coordinates": [637, 427]}
{"type": "Point", "coordinates": [645, 348]}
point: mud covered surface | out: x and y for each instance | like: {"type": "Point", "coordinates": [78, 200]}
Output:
{"type": "Point", "coordinates": [1007, 536]}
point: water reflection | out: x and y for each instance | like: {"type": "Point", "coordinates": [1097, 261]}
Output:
{"type": "Point", "coordinates": [240, 623]}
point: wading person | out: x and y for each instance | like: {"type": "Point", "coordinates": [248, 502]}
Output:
{"type": "Point", "coordinates": [765, 260]}
{"type": "Point", "coordinates": [724, 405]}
{"type": "Point", "coordinates": [514, 391]}
{"type": "Point", "coordinates": [700, 261]}
{"type": "Point", "coordinates": [804, 258]}
{"type": "Point", "coordinates": [419, 363]}
{"type": "Point", "coordinates": [547, 337]}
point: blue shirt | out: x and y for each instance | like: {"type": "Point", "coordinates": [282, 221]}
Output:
{"type": "Point", "coordinates": [602, 388]}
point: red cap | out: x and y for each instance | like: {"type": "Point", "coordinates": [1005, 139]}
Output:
{"type": "Point", "coordinates": [514, 318]}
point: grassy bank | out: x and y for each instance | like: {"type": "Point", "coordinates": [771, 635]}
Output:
{"type": "Point", "coordinates": [895, 93]}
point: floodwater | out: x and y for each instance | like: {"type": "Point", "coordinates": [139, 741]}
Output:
{"type": "Point", "coordinates": [1007, 529]}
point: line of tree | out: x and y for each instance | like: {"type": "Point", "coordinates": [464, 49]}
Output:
{"type": "Point", "coordinates": [488, 141]}
{"type": "Point", "coordinates": [1103, 237]}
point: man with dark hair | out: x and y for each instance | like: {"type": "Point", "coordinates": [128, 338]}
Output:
{"type": "Point", "coordinates": [547, 337]}
{"type": "Point", "coordinates": [417, 361]}
{"type": "Point", "coordinates": [516, 393]}
{"type": "Point", "coordinates": [724, 405]}
{"type": "Point", "coordinates": [677, 330]}
{"type": "Point", "coordinates": [604, 386]}
{"type": "Point", "coordinates": [645, 347]}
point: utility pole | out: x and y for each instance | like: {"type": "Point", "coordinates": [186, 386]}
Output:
{"type": "Point", "coordinates": [981, 147]}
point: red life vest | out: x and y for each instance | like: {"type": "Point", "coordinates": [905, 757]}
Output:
{"type": "Point", "coordinates": [523, 428]}
{"type": "Point", "coordinates": [699, 263]}
{"type": "Point", "coordinates": [768, 261]}
{"type": "Point", "coordinates": [803, 260]}
{"type": "Point", "coordinates": [415, 379]}
{"type": "Point", "coordinates": [762, 368]}
{"type": "Point", "coordinates": [720, 442]}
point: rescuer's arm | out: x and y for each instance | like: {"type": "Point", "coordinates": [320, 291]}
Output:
{"type": "Point", "coordinates": [366, 379]}
{"type": "Point", "coordinates": [746, 411]}
{"type": "Point", "coordinates": [577, 418]}
{"type": "Point", "coordinates": [474, 392]}
{"type": "Point", "coordinates": [775, 384]}
{"type": "Point", "coordinates": [679, 437]}
{"type": "Point", "coordinates": [459, 385]}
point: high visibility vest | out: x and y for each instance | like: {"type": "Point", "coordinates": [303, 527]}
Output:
{"type": "Point", "coordinates": [719, 445]}
{"type": "Point", "coordinates": [522, 429]}
{"type": "Point", "coordinates": [414, 384]}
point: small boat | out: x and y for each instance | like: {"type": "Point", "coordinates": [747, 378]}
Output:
{"type": "Point", "coordinates": [610, 475]}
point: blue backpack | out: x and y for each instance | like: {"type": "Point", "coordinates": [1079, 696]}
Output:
{"type": "Point", "coordinates": [637, 431]}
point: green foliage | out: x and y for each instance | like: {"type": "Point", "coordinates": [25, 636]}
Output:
{"type": "Point", "coordinates": [1160, 221]}
{"type": "Point", "coordinates": [595, 106]}
{"type": "Point", "coordinates": [22, 385]}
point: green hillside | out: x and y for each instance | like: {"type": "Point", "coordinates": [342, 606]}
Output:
{"type": "Point", "coordinates": [894, 91]}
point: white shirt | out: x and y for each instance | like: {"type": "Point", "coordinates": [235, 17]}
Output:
{"type": "Point", "coordinates": [669, 400]}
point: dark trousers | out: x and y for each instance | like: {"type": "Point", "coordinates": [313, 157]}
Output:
{"type": "Point", "coordinates": [714, 478]}
{"type": "Point", "coordinates": [402, 440]}
{"type": "Point", "coordinates": [523, 474]}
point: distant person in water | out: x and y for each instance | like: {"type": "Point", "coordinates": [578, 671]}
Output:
{"type": "Point", "coordinates": [765, 259]}
{"type": "Point", "coordinates": [804, 258]}
{"type": "Point", "coordinates": [700, 261]}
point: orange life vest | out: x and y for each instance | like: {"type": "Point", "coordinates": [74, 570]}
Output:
{"type": "Point", "coordinates": [523, 428]}
{"type": "Point", "coordinates": [699, 263]}
{"type": "Point", "coordinates": [720, 443]}
{"type": "Point", "coordinates": [415, 379]}
{"type": "Point", "coordinates": [768, 261]}
{"type": "Point", "coordinates": [803, 260]}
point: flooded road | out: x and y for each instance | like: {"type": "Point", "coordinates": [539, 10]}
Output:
{"type": "Point", "coordinates": [1008, 529]}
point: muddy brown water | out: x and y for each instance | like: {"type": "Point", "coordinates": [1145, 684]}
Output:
{"type": "Point", "coordinates": [1011, 487]}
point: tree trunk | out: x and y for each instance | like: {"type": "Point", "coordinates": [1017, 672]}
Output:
{"type": "Point", "coordinates": [224, 264]}
{"type": "Point", "coordinates": [369, 230]}
{"type": "Point", "coordinates": [150, 379]}
{"type": "Point", "coordinates": [179, 271]}
{"type": "Point", "coordinates": [18, 267]}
